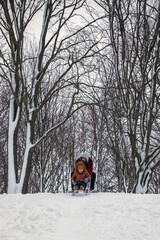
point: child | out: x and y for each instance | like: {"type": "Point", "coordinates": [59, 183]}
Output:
{"type": "Point", "coordinates": [88, 162]}
{"type": "Point", "coordinates": [80, 177]}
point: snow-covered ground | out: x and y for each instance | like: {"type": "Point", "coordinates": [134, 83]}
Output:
{"type": "Point", "coordinates": [98, 216]}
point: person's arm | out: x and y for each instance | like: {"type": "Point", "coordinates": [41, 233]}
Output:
{"type": "Point", "coordinates": [73, 176]}
{"type": "Point", "coordinates": [87, 175]}
{"type": "Point", "coordinates": [90, 166]}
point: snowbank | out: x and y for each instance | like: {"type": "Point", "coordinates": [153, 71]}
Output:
{"type": "Point", "coordinates": [99, 216]}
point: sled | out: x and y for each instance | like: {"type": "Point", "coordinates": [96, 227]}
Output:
{"type": "Point", "coordinates": [85, 192]}
{"type": "Point", "coordinates": [80, 192]}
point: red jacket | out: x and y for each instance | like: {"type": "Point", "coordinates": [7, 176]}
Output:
{"type": "Point", "coordinates": [89, 164]}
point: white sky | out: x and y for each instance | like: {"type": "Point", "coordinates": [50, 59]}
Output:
{"type": "Point", "coordinates": [36, 23]}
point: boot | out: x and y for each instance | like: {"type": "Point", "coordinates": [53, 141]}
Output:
{"type": "Point", "coordinates": [81, 188]}
{"type": "Point", "coordinates": [86, 190]}
{"type": "Point", "coordinates": [75, 189]}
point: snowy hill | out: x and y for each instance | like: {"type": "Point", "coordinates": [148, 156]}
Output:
{"type": "Point", "coordinates": [99, 216]}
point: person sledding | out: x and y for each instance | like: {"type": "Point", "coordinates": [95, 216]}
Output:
{"type": "Point", "coordinates": [88, 162]}
{"type": "Point", "coordinates": [80, 177]}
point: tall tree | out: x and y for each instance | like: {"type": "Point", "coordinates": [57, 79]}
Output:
{"type": "Point", "coordinates": [61, 51]}
{"type": "Point", "coordinates": [134, 29]}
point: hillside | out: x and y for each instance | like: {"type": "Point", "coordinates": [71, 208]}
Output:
{"type": "Point", "coordinates": [99, 216]}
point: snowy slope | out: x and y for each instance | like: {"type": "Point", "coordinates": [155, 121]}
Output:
{"type": "Point", "coordinates": [101, 216]}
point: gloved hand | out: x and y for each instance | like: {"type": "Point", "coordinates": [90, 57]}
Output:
{"type": "Point", "coordinates": [73, 182]}
{"type": "Point", "coordinates": [86, 180]}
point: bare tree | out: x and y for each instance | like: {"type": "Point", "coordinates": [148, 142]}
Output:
{"type": "Point", "coordinates": [134, 28]}
{"type": "Point", "coordinates": [3, 133]}
{"type": "Point", "coordinates": [62, 48]}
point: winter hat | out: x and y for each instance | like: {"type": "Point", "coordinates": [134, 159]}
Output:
{"type": "Point", "coordinates": [80, 165]}
{"type": "Point", "coordinates": [85, 155]}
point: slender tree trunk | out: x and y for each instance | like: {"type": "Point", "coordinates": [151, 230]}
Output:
{"type": "Point", "coordinates": [11, 162]}
{"type": "Point", "coordinates": [14, 116]}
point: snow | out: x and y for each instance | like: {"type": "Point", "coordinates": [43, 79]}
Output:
{"type": "Point", "coordinates": [112, 216]}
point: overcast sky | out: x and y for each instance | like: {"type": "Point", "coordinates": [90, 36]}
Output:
{"type": "Point", "coordinates": [36, 23]}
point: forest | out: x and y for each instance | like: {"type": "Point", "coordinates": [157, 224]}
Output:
{"type": "Point", "coordinates": [89, 83]}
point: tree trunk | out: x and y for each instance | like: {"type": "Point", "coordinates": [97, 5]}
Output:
{"type": "Point", "coordinates": [27, 173]}
{"type": "Point", "coordinates": [12, 166]}
{"type": "Point", "coordinates": [143, 179]}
